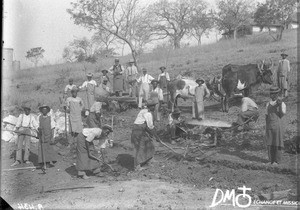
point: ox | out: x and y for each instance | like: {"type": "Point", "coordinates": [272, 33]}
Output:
{"type": "Point", "coordinates": [178, 88]}
{"type": "Point", "coordinates": [243, 77]}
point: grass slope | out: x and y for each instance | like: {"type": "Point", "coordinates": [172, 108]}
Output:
{"type": "Point", "coordinates": [46, 84]}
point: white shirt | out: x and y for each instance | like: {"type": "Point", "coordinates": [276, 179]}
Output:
{"type": "Point", "coordinates": [144, 116]}
{"type": "Point", "coordinates": [283, 106]}
{"type": "Point", "coordinates": [93, 82]}
{"type": "Point", "coordinates": [130, 71]}
{"type": "Point", "coordinates": [166, 74]}
{"type": "Point", "coordinates": [145, 79]}
{"type": "Point", "coordinates": [27, 121]}
{"type": "Point", "coordinates": [248, 104]}
{"type": "Point", "coordinates": [52, 120]}
{"type": "Point", "coordinates": [160, 93]}
{"type": "Point", "coordinates": [91, 133]}
{"type": "Point", "coordinates": [69, 87]}
{"type": "Point", "coordinates": [96, 107]}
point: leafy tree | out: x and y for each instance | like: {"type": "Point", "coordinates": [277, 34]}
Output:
{"type": "Point", "coordinates": [35, 55]}
{"type": "Point", "coordinates": [124, 19]}
{"type": "Point", "coordinates": [275, 12]}
{"type": "Point", "coordinates": [232, 14]}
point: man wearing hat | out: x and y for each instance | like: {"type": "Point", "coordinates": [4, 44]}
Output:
{"type": "Point", "coordinates": [25, 124]}
{"type": "Point", "coordinates": [201, 91]}
{"type": "Point", "coordinates": [130, 78]}
{"type": "Point", "coordinates": [68, 88]}
{"type": "Point", "coordinates": [74, 105]}
{"type": "Point", "coordinates": [87, 159]}
{"type": "Point", "coordinates": [104, 76]}
{"type": "Point", "coordinates": [276, 109]}
{"type": "Point", "coordinates": [46, 154]}
{"type": "Point", "coordinates": [282, 74]}
{"type": "Point", "coordinates": [143, 128]}
{"type": "Point", "coordinates": [164, 79]}
{"type": "Point", "coordinates": [156, 94]}
{"type": "Point", "coordinates": [145, 81]}
{"type": "Point", "coordinates": [174, 121]}
{"type": "Point", "coordinates": [89, 86]}
{"type": "Point", "coordinates": [117, 71]}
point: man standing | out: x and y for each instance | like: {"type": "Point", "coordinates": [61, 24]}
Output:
{"type": "Point", "coordinates": [143, 128]}
{"type": "Point", "coordinates": [93, 120]}
{"type": "Point", "coordinates": [164, 79]}
{"type": "Point", "coordinates": [145, 81]}
{"type": "Point", "coordinates": [74, 107]}
{"type": "Point", "coordinates": [174, 120]}
{"type": "Point", "coordinates": [130, 78]}
{"type": "Point", "coordinates": [157, 95]}
{"type": "Point", "coordinates": [68, 88]}
{"type": "Point", "coordinates": [26, 122]}
{"type": "Point", "coordinates": [118, 80]}
{"type": "Point", "coordinates": [276, 109]}
{"type": "Point", "coordinates": [89, 86]}
{"type": "Point", "coordinates": [249, 109]}
{"type": "Point", "coordinates": [104, 76]}
{"type": "Point", "coordinates": [282, 74]}
{"type": "Point", "coordinates": [201, 91]}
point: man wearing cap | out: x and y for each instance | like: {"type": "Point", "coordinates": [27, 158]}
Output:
{"type": "Point", "coordinates": [89, 86]}
{"type": "Point", "coordinates": [276, 109]}
{"type": "Point", "coordinates": [282, 74]}
{"type": "Point", "coordinates": [104, 76]}
{"type": "Point", "coordinates": [46, 154]}
{"type": "Point", "coordinates": [143, 130]}
{"type": "Point", "coordinates": [249, 109]}
{"type": "Point", "coordinates": [145, 81]}
{"type": "Point", "coordinates": [25, 124]}
{"type": "Point", "coordinates": [87, 159]}
{"type": "Point", "coordinates": [74, 105]}
{"type": "Point", "coordinates": [156, 94]}
{"type": "Point", "coordinates": [201, 91]}
{"type": "Point", "coordinates": [131, 77]}
{"type": "Point", "coordinates": [68, 88]}
{"type": "Point", "coordinates": [164, 79]}
{"type": "Point", "coordinates": [117, 71]}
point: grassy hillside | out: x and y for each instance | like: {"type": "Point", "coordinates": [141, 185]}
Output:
{"type": "Point", "coordinates": [45, 84]}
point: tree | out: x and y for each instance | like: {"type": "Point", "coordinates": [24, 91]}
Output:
{"type": "Point", "coordinates": [124, 19]}
{"type": "Point", "coordinates": [171, 19]}
{"type": "Point", "coordinates": [232, 14]}
{"type": "Point", "coordinates": [35, 55]}
{"type": "Point", "coordinates": [278, 12]}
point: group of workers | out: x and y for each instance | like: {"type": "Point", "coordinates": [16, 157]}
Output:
{"type": "Point", "coordinates": [144, 131]}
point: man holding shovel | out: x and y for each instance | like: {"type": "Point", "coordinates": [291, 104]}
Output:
{"type": "Point", "coordinates": [25, 124]}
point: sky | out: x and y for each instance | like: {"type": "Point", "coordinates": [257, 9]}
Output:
{"type": "Point", "coordinates": [46, 24]}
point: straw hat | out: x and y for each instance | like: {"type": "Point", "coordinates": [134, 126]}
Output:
{"type": "Point", "coordinates": [154, 81]}
{"type": "Point", "coordinates": [162, 68]}
{"type": "Point", "coordinates": [283, 54]}
{"type": "Point", "coordinates": [44, 106]}
{"type": "Point", "coordinates": [89, 74]}
{"type": "Point", "coordinates": [104, 70]}
{"type": "Point", "coordinates": [199, 80]}
{"type": "Point", "coordinates": [74, 89]}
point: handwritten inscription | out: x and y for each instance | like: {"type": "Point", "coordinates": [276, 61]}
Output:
{"type": "Point", "coordinates": [30, 206]}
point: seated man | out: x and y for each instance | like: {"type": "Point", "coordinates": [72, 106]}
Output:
{"type": "Point", "coordinates": [249, 109]}
{"type": "Point", "coordinates": [174, 121]}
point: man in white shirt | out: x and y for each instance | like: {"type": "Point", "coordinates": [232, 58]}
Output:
{"type": "Point", "coordinates": [145, 81]}
{"type": "Point", "coordinates": [142, 132]}
{"type": "Point", "coordinates": [282, 74]}
{"type": "Point", "coordinates": [164, 79]}
{"type": "Point", "coordinates": [249, 109]}
{"type": "Point", "coordinates": [25, 124]}
{"type": "Point", "coordinates": [89, 86]}
{"type": "Point", "coordinates": [156, 94]}
{"type": "Point", "coordinates": [131, 77]}
{"type": "Point", "coordinates": [68, 88]}
{"type": "Point", "coordinates": [93, 120]}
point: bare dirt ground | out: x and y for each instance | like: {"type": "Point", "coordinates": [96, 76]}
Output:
{"type": "Point", "coordinates": [167, 183]}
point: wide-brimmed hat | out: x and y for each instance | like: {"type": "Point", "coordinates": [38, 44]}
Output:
{"type": "Point", "coordinates": [176, 111]}
{"type": "Point", "coordinates": [162, 67]}
{"type": "Point", "coordinates": [131, 61]}
{"type": "Point", "coordinates": [144, 69]}
{"type": "Point", "coordinates": [117, 59]}
{"type": "Point", "coordinates": [44, 106]}
{"type": "Point", "coordinates": [89, 74]}
{"type": "Point", "coordinates": [74, 89]}
{"type": "Point", "coordinates": [274, 90]}
{"type": "Point", "coordinates": [199, 80]}
{"type": "Point", "coordinates": [154, 81]}
{"type": "Point", "coordinates": [104, 70]}
{"type": "Point", "coordinates": [25, 107]}
{"type": "Point", "coordinates": [108, 127]}
{"type": "Point", "coordinates": [151, 102]}
{"type": "Point", "coordinates": [283, 54]}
